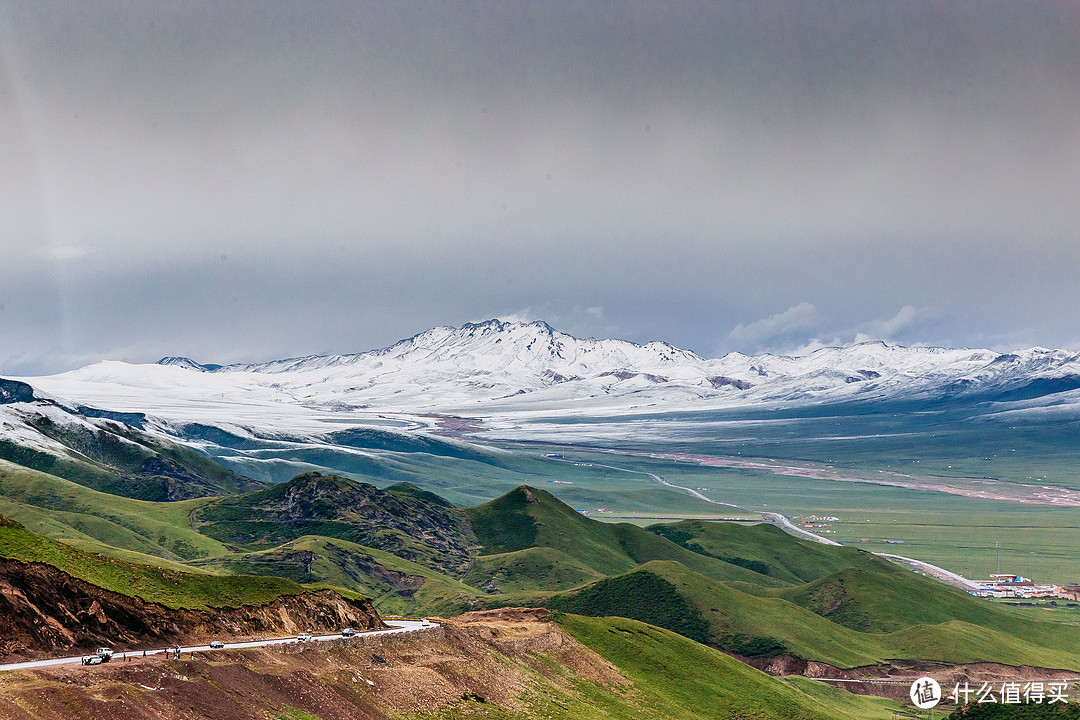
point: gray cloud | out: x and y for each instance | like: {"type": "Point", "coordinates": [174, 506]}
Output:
{"type": "Point", "coordinates": [796, 319]}
{"type": "Point", "coordinates": [384, 168]}
{"type": "Point", "coordinates": [907, 318]}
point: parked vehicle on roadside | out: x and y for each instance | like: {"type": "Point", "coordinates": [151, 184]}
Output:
{"type": "Point", "coordinates": [92, 660]}
{"type": "Point", "coordinates": [217, 645]}
{"type": "Point", "coordinates": [303, 637]}
{"type": "Point", "coordinates": [104, 653]}
{"type": "Point", "coordinates": [348, 632]}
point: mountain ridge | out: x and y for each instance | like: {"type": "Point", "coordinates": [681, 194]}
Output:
{"type": "Point", "coordinates": [503, 368]}
{"type": "Point", "coordinates": [441, 334]}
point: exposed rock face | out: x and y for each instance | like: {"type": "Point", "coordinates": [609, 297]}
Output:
{"type": "Point", "coordinates": [365, 565]}
{"type": "Point", "coordinates": [720, 381]}
{"type": "Point", "coordinates": [314, 504]}
{"type": "Point", "coordinates": [13, 391]}
{"type": "Point", "coordinates": [44, 610]}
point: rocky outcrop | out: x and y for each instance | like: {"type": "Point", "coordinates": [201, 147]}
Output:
{"type": "Point", "coordinates": [720, 381]}
{"type": "Point", "coordinates": [13, 391]}
{"type": "Point", "coordinates": [402, 523]}
{"type": "Point", "coordinates": [44, 610]}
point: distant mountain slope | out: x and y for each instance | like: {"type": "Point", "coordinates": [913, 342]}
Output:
{"type": "Point", "coordinates": [92, 448]}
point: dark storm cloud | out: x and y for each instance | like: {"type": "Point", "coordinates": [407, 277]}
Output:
{"type": "Point", "coordinates": [720, 175]}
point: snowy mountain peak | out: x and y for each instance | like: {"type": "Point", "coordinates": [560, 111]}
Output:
{"type": "Point", "coordinates": [182, 362]}
{"type": "Point", "coordinates": [497, 325]}
{"type": "Point", "coordinates": [531, 367]}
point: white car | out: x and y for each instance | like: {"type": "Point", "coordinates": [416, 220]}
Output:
{"type": "Point", "coordinates": [348, 632]}
{"type": "Point", "coordinates": [217, 645]}
{"type": "Point", "coordinates": [92, 660]}
{"type": "Point", "coordinates": [303, 637]}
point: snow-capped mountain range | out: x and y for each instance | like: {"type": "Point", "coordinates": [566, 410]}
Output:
{"type": "Point", "coordinates": [497, 369]}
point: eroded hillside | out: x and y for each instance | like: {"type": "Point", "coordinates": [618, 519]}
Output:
{"type": "Point", "coordinates": [496, 665]}
{"type": "Point", "coordinates": [45, 611]}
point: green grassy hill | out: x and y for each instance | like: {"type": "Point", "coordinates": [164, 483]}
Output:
{"type": "Point", "coordinates": [534, 568]}
{"type": "Point", "coordinates": [753, 590]}
{"type": "Point", "coordinates": [763, 547]}
{"type": "Point", "coordinates": [527, 517]}
{"type": "Point", "coordinates": [65, 510]}
{"type": "Point", "coordinates": [750, 589]}
{"type": "Point", "coordinates": [880, 600]}
{"type": "Point", "coordinates": [753, 625]}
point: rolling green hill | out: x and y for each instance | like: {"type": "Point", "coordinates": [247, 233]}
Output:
{"type": "Point", "coordinates": [753, 625]}
{"type": "Point", "coordinates": [533, 568]}
{"type": "Point", "coordinates": [640, 595]}
{"type": "Point", "coordinates": [527, 517]}
{"type": "Point", "coordinates": [763, 547]}
{"type": "Point", "coordinates": [749, 589]}
{"type": "Point", "coordinates": [65, 510]}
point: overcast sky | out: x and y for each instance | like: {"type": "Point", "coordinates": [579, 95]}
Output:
{"type": "Point", "coordinates": [254, 180]}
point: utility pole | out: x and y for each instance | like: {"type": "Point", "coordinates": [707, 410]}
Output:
{"type": "Point", "coordinates": [997, 549]}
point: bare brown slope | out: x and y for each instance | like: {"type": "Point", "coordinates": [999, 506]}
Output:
{"type": "Point", "coordinates": [45, 611]}
{"type": "Point", "coordinates": [487, 665]}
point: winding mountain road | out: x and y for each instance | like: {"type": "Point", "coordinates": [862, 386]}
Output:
{"type": "Point", "coordinates": [935, 571]}
{"type": "Point", "coordinates": [793, 529]}
{"type": "Point", "coordinates": [938, 572]}
{"type": "Point", "coordinates": [397, 627]}
{"type": "Point", "coordinates": [656, 478]}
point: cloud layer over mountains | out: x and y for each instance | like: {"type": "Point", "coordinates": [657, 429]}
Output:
{"type": "Point", "coordinates": [245, 181]}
